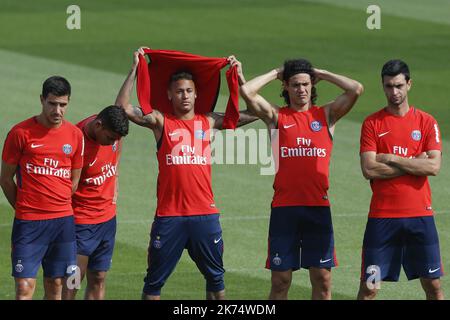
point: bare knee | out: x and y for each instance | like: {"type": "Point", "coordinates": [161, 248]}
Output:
{"type": "Point", "coordinates": [25, 288]}
{"type": "Point", "coordinates": [321, 283]}
{"type": "Point", "coordinates": [281, 281]}
{"type": "Point", "coordinates": [96, 278]}
{"type": "Point", "coordinates": [432, 288]}
{"type": "Point", "coordinates": [321, 279]}
{"type": "Point", "coordinates": [53, 288]}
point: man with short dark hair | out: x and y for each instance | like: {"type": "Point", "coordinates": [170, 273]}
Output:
{"type": "Point", "coordinates": [300, 230]}
{"type": "Point", "coordinates": [186, 215]}
{"type": "Point", "coordinates": [45, 155]}
{"type": "Point", "coordinates": [400, 148]}
{"type": "Point", "coordinates": [94, 202]}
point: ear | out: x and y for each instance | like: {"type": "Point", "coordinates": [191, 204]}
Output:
{"type": "Point", "coordinates": [409, 84]}
{"type": "Point", "coordinates": [98, 124]}
{"type": "Point", "coordinates": [285, 85]}
{"type": "Point", "coordinates": [169, 95]}
{"type": "Point", "coordinates": [42, 99]}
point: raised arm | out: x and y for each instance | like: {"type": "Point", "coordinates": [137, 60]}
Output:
{"type": "Point", "coordinates": [7, 182]}
{"type": "Point", "coordinates": [216, 119]}
{"type": "Point", "coordinates": [428, 165]}
{"type": "Point", "coordinates": [256, 104]}
{"type": "Point", "coordinates": [152, 120]}
{"type": "Point", "coordinates": [373, 169]}
{"type": "Point", "coordinates": [245, 116]}
{"type": "Point", "coordinates": [339, 107]}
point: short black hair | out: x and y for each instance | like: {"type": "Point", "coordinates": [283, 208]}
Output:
{"type": "Point", "coordinates": [114, 118]}
{"type": "Point", "coordinates": [181, 75]}
{"type": "Point", "coordinates": [395, 67]}
{"type": "Point", "coordinates": [56, 85]}
{"type": "Point", "coordinates": [296, 66]}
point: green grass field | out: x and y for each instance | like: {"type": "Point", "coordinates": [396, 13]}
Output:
{"type": "Point", "coordinates": [35, 43]}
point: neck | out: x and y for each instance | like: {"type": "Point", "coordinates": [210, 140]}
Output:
{"type": "Point", "coordinates": [89, 129]}
{"type": "Point", "coordinates": [398, 110]}
{"type": "Point", "coordinates": [185, 116]}
{"type": "Point", "coordinates": [300, 107]}
{"type": "Point", "coordinates": [41, 119]}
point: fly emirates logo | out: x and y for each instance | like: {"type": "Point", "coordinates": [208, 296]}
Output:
{"type": "Point", "coordinates": [187, 156]}
{"type": "Point", "coordinates": [50, 168]}
{"type": "Point", "coordinates": [303, 149]}
{"type": "Point", "coordinates": [108, 170]}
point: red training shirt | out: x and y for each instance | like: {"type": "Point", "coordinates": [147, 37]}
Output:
{"type": "Point", "coordinates": [45, 158]}
{"type": "Point", "coordinates": [303, 151]}
{"type": "Point", "coordinates": [407, 136]}
{"type": "Point", "coordinates": [95, 199]}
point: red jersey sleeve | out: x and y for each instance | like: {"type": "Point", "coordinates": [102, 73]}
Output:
{"type": "Point", "coordinates": [12, 149]}
{"type": "Point", "coordinates": [367, 142]}
{"type": "Point", "coordinates": [77, 160]}
{"type": "Point", "coordinates": [432, 135]}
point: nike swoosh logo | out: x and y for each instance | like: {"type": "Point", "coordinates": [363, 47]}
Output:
{"type": "Point", "coordinates": [217, 240]}
{"type": "Point", "coordinates": [92, 163]}
{"type": "Point", "coordinates": [172, 134]}
{"type": "Point", "coordinates": [433, 271]}
{"type": "Point", "coordinates": [36, 145]}
{"type": "Point", "coordinates": [323, 261]}
{"type": "Point", "coordinates": [288, 126]}
{"type": "Point", "coordinates": [383, 134]}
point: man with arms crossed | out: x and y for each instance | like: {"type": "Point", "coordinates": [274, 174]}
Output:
{"type": "Point", "coordinates": [300, 231]}
{"type": "Point", "coordinates": [94, 202]}
{"type": "Point", "coordinates": [45, 154]}
{"type": "Point", "coordinates": [186, 215]}
{"type": "Point", "coordinates": [400, 148]}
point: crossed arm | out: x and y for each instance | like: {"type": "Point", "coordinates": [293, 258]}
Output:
{"type": "Point", "coordinates": [387, 166]}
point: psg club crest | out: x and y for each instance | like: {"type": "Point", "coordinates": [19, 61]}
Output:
{"type": "Point", "coordinates": [67, 149]}
{"type": "Point", "coordinates": [157, 243]}
{"type": "Point", "coordinates": [316, 126]}
{"type": "Point", "coordinates": [276, 261]}
{"type": "Point", "coordinates": [416, 135]}
{"type": "Point", "coordinates": [199, 134]}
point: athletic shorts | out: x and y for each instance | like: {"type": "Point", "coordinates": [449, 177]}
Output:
{"type": "Point", "coordinates": [390, 243]}
{"type": "Point", "coordinates": [47, 242]}
{"type": "Point", "coordinates": [300, 237]}
{"type": "Point", "coordinates": [200, 235]}
{"type": "Point", "coordinates": [96, 241]}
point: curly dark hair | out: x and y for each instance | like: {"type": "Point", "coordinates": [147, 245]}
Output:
{"type": "Point", "coordinates": [115, 119]}
{"type": "Point", "coordinates": [296, 66]}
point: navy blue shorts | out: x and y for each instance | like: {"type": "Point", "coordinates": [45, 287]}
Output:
{"type": "Point", "coordinates": [47, 242]}
{"type": "Point", "coordinates": [300, 236]}
{"type": "Point", "coordinates": [390, 243]}
{"type": "Point", "coordinates": [200, 235]}
{"type": "Point", "coordinates": [96, 241]}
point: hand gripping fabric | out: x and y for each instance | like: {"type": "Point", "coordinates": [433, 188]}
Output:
{"type": "Point", "coordinates": [153, 80]}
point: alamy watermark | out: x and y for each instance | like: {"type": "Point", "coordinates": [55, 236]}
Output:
{"type": "Point", "coordinates": [374, 20]}
{"type": "Point", "coordinates": [374, 280]}
{"type": "Point", "coordinates": [73, 21]}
